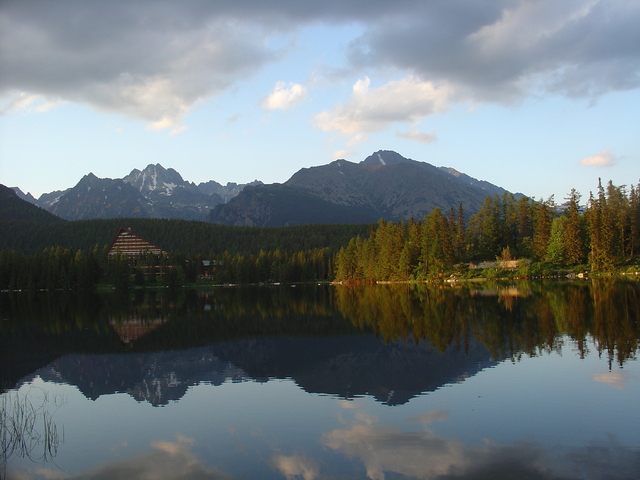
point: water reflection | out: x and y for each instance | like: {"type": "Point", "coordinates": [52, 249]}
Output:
{"type": "Point", "coordinates": [385, 449]}
{"type": "Point", "coordinates": [510, 320]}
{"type": "Point", "coordinates": [298, 382]}
{"type": "Point", "coordinates": [319, 336]}
{"type": "Point", "coordinates": [166, 460]}
{"type": "Point", "coordinates": [27, 426]}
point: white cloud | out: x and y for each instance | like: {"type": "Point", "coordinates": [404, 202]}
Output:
{"type": "Point", "coordinates": [162, 123]}
{"type": "Point", "coordinates": [373, 110]}
{"type": "Point", "coordinates": [155, 60]}
{"type": "Point", "coordinates": [342, 154]}
{"type": "Point", "coordinates": [357, 140]}
{"type": "Point", "coordinates": [19, 102]}
{"type": "Point", "coordinates": [128, 58]}
{"type": "Point", "coordinates": [285, 96]}
{"type": "Point", "coordinates": [418, 136]}
{"type": "Point", "coordinates": [29, 102]}
{"type": "Point", "coordinates": [179, 129]}
{"type": "Point", "coordinates": [601, 160]}
{"type": "Point", "coordinates": [49, 105]}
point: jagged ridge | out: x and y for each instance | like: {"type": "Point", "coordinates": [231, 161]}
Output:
{"type": "Point", "coordinates": [384, 185]}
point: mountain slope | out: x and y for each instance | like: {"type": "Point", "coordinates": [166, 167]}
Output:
{"type": "Point", "coordinates": [14, 208]}
{"type": "Point", "coordinates": [168, 195]}
{"type": "Point", "coordinates": [384, 185]}
{"type": "Point", "coordinates": [280, 205]}
{"type": "Point", "coordinates": [95, 197]}
{"type": "Point", "coordinates": [226, 192]}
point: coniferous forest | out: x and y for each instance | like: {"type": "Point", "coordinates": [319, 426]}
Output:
{"type": "Point", "coordinates": [600, 236]}
{"type": "Point", "coordinates": [66, 255]}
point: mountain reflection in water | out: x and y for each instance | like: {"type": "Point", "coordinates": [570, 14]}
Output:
{"type": "Point", "coordinates": [367, 348]}
{"type": "Point", "coordinates": [154, 345]}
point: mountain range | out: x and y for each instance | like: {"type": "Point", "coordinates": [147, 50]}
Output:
{"type": "Point", "coordinates": [384, 185]}
{"type": "Point", "coordinates": [348, 366]}
{"type": "Point", "coordinates": [154, 192]}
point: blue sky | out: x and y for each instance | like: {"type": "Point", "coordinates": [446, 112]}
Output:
{"type": "Point", "coordinates": [535, 96]}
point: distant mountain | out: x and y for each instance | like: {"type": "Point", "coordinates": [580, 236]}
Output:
{"type": "Point", "coordinates": [168, 195]}
{"type": "Point", "coordinates": [278, 205]}
{"type": "Point", "coordinates": [487, 187]}
{"type": "Point", "coordinates": [27, 197]}
{"type": "Point", "coordinates": [48, 200]}
{"type": "Point", "coordinates": [384, 185]}
{"type": "Point", "coordinates": [12, 207]}
{"type": "Point", "coordinates": [226, 192]}
{"type": "Point", "coordinates": [154, 192]}
{"type": "Point", "coordinates": [95, 197]}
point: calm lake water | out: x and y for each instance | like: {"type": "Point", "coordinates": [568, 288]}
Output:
{"type": "Point", "coordinates": [485, 381]}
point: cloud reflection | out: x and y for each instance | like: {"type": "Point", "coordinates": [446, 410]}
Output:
{"type": "Point", "coordinates": [615, 379]}
{"type": "Point", "coordinates": [385, 449]}
{"type": "Point", "coordinates": [167, 461]}
{"type": "Point", "coordinates": [297, 466]}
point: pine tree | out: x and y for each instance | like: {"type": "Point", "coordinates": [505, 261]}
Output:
{"type": "Point", "coordinates": [618, 205]}
{"type": "Point", "coordinates": [437, 250]}
{"type": "Point", "coordinates": [542, 216]}
{"type": "Point", "coordinates": [574, 243]}
{"type": "Point", "coordinates": [483, 234]}
{"type": "Point", "coordinates": [525, 227]}
{"type": "Point", "coordinates": [556, 249]}
{"type": "Point", "coordinates": [600, 232]}
{"type": "Point", "coordinates": [634, 221]}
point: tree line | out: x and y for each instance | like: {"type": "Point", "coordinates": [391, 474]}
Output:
{"type": "Point", "coordinates": [65, 269]}
{"type": "Point", "coordinates": [78, 258]}
{"type": "Point", "coordinates": [599, 236]}
{"type": "Point", "coordinates": [188, 237]}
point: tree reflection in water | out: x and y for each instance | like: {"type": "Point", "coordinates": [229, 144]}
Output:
{"type": "Point", "coordinates": [320, 337]}
{"type": "Point", "coordinates": [514, 319]}
{"type": "Point", "coordinates": [510, 320]}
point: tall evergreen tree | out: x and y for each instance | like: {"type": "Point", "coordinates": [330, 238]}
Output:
{"type": "Point", "coordinates": [634, 221]}
{"type": "Point", "coordinates": [574, 242]}
{"type": "Point", "coordinates": [600, 232]}
{"type": "Point", "coordinates": [542, 216]}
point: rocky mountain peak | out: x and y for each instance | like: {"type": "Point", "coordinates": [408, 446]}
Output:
{"type": "Point", "coordinates": [25, 196]}
{"type": "Point", "coordinates": [384, 157]}
{"type": "Point", "coordinates": [384, 185]}
{"type": "Point", "coordinates": [155, 179]}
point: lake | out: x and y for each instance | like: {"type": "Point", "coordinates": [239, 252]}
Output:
{"type": "Point", "coordinates": [481, 381]}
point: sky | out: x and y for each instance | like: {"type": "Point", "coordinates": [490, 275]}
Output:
{"type": "Point", "coordinates": [536, 96]}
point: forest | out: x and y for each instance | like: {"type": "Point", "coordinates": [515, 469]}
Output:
{"type": "Point", "coordinates": [598, 237]}
{"type": "Point", "coordinates": [73, 255]}
{"type": "Point", "coordinates": [603, 235]}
